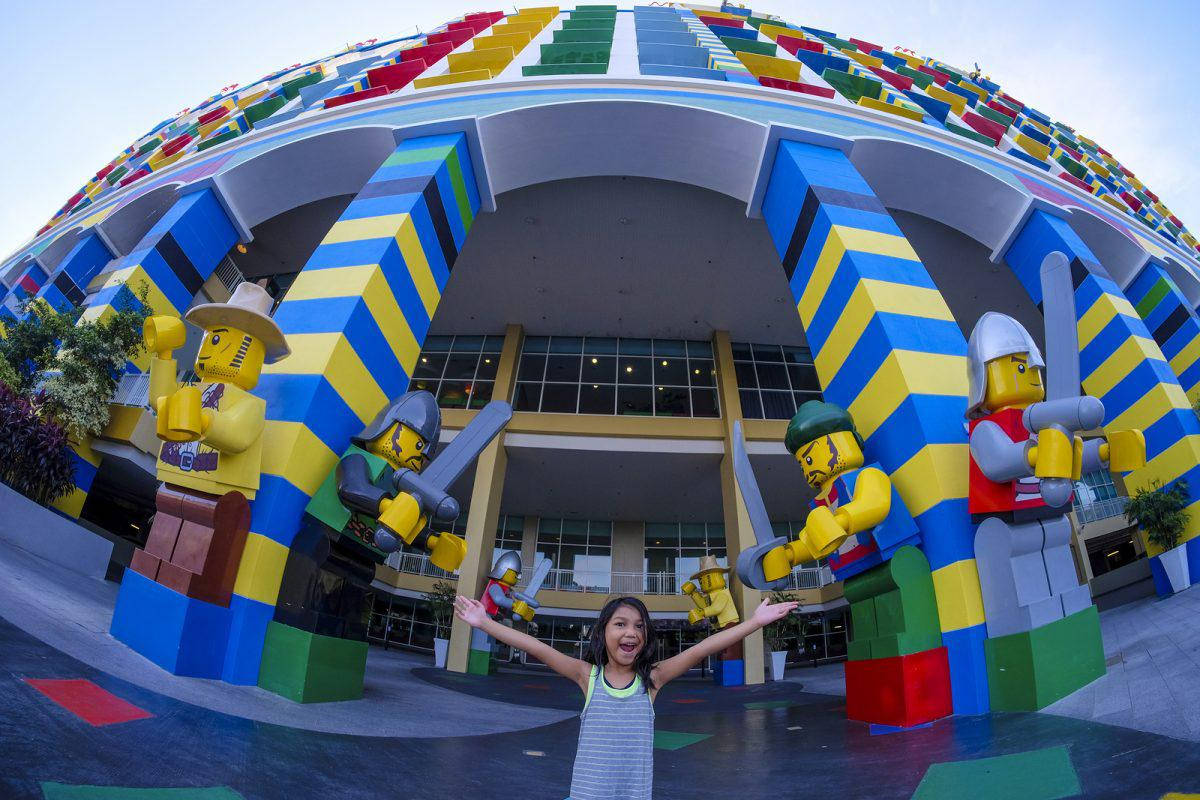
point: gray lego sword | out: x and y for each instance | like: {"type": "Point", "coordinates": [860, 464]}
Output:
{"type": "Point", "coordinates": [529, 593]}
{"type": "Point", "coordinates": [430, 487]}
{"type": "Point", "coordinates": [1065, 408]}
{"type": "Point", "coordinates": [749, 561]}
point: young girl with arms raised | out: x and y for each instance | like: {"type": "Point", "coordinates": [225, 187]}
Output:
{"type": "Point", "coordinates": [619, 678]}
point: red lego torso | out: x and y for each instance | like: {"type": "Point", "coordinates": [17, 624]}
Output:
{"type": "Point", "coordinates": [985, 496]}
{"type": "Point", "coordinates": [489, 605]}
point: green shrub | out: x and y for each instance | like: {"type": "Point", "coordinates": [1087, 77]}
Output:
{"type": "Point", "coordinates": [779, 632]}
{"type": "Point", "coordinates": [1162, 514]}
{"type": "Point", "coordinates": [441, 605]}
{"type": "Point", "coordinates": [35, 456]}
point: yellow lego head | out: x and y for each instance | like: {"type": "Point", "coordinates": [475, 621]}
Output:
{"type": "Point", "coordinates": [230, 355]}
{"type": "Point", "coordinates": [712, 581]}
{"type": "Point", "coordinates": [509, 578]}
{"type": "Point", "coordinates": [828, 456]}
{"type": "Point", "coordinates": [401, 447]}
{"type": "Point", "coordinates": [1011, 381]}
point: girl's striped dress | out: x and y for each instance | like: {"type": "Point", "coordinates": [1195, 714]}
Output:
{"type": "Point", "coordinates": [615, 760]}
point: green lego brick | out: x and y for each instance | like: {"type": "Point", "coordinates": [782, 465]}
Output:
{"type": "Point", "coordinates": [1028, 671]}
{"type": "Point", "coordinates": [597, 15]}
{"type": "Point", "coordinates": [588, 24]}
{"type": "Point", "coordinates": [893, 608]}
{"type": "Point", "coordinates": [838, 44]}
{"type": "Point", "coordinates": [596, 8]}
{"type": "Point", "coordinates": [310, 668]}
{"type": "Point", "coordinates": [216, 140]}
{"type": "Point", "coordinates": [993, 115]}
{"type": "Point", "coordinates": [291, 89]}
{"type": "Point", "coordinates": [1072, 166]}
{"type": "Point", "coordinates": [479, 662]}
{"type": "Point", "coordinates": [116, 175]}
{"type": "Point", "coordinates": [564, 69]}
{"type": "Point", "coordinates": [758, 22]}
{"type": "Point", "coordinates": [583, 35]}
{"type": "Point", "coordinates": [576, 53]}
{"type": "Point", "coordinates": [921, 79]}
{"type": "Point", "coordinates": [260, 111]}
{"type": "Point", "coordinates": [967, 133]}
{"type": "Point", "coordinates": [851, 86]}
{"type": "Point", "coordinates": [1157, 292]}
{"type": "Point", "coordinates": [150, 145]}
{"type": "Point", "coordinates": [737, 44]}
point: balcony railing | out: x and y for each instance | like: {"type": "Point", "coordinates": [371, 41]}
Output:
{"type": "Point", "coordinates": [1101, 509]}
{"type": "Point", "coordinates": [417, 564]}
{"type": "Point", "coordinates": [811, 578]}
{"type": "Point", "coordinates": [133, 390]}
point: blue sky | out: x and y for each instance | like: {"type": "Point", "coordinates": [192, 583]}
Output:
{"type": "Point", "coordinates": [91, 77]}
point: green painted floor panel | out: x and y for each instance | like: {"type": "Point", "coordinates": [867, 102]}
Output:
{"type": "Point", "coordinates": [1036, 775]}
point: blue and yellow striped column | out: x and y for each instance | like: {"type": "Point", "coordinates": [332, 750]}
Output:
{"type": "Point", "coordinates": [887, 348]}
{"type": "Point", "coordinates": [1120, 363]}
{"type": "Point", "coordinates": [68, 286]}
{"type": "Point", "coordinates": [1171, 321]}
{"type": "Point", "coordinates": [355, 318]}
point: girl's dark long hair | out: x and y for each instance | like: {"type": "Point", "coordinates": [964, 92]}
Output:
{"type": "Point", "coordinates": [597, 653]}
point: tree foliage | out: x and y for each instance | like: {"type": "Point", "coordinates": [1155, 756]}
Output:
{"type": "Point", "coordinates": [35, 456]}
{"type": "Point", "coordinates": [1162, 514]}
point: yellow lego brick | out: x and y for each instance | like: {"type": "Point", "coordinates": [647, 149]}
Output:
{"type": "Point", "coordinates": [959, 598]}
{"type": "Point", "coordinates": [863, 58]}
{"type": "Point", "coordinates": [772, 31]}
{"type": "Point", "coordinates": [516, 41]}
{"type": "Point", "coordinates": [251, 99]}
{"type": "Point", "coordinates": [1135, 183]}
{"type": "Point", "coordinates": [701, 11]}
{"type": "Point", "coordinates": [958, 103]}
{"type": "Point", "coordinates": [332, 356]}
{"type": "Point", "coordinates": [1099, 314]}
{"type": "Point", "coordinates": [121, 422]}
{"type": "Point", "coordinates": [902, 373]}
{"type": "Point", "coordinates": [1039, 126]}
{"type": "Point", "coordinates": [1188, 238]}
{"type": "Point", "coordinates": [544, 14]}
{"type": "Point", "coordinates": [977, 90]}
{"type": "Point", "coordinates": [891, 108]}
{"type": "Point", "coordinates": [1161, 209]}
{"type": "Point", "coordinates": [531, 26]}
{"type": "Point", "coordinates": [1097, 167]}
{"type": "Point", "coordinates": [159, 161]}
{"type": "Point", "coordinates": [71, 504]}
{"type": "Point", "coordinates": [494, 59]}
{"type": "Point", "coordinates": [912, 61]}
{"type": "Point", "coordinates": [935, 473]}
{"type": "Point", "coordinates": [1032, 146]}
{"type": "Point", "coordinates": [368, 282]}
{"type": "Point", "coordinates": [1114, 202]}
{"type": "Point", "coordinates": [761, 66]}
{"type": "Point", "coordinates": [261, 570]}
{"type": "Point", "coordinates": [1086, 141]}
{"type": "Point", "coordinates": [282, 442]}
{"type": "Point", "coordinates": [453, 77]}
{"type": "Point", "coordinates": [840, 240]}
{"type": "Point", "coordinates": [1119, 364]}
{"type": "Point", "coordinates": [209, 127]}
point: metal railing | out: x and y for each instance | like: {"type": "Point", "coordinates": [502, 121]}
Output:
{"type": "Point", "coordinates": [417, 564]}
{"type": "Point", "coordinates": [1101, 509]}
{"type": "Point", "coordinates": [811, 578]}
{"type": "Point", "coordinates": [133, 390]}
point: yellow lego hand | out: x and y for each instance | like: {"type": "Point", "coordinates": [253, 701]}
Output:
{"type": "Point", "coordinates": [402, 516]}
{"type": "Point", "coordinates": [823, 532]}
{"type": "Point", "coordinates": [688, 587]}
{"type": "Point", "coordinates": [694, 616]}
{"type": "Point", "coordinates": [776, 563]}
{"type": "Point", "coordinates": [1126, 450]}
{"type": "Point", "coordinates": [180, 417]}
{"type": "Point", "coordinates": [523, 610]}
{"type": "Point", "coordinates": [1055, 455]}
{"type": "Point", "coordinates": [1076, 458]}
{"type": "Point", "coordinates": [162, 334]}
{"type": "Point", "coordinates": [163, 429]}
{"type": "Point", "coordinates": [447, 551]}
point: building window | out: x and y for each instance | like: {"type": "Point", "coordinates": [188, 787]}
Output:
{"type": "Point", "coordinates": [404, 622]}
{"type": "Point", "coordinates": [459, 371]}
{"type": "Point", "coordinates": [773, 381]}
{"type": "Point", "coordinates": [674, 549]}
{"type": "Point", "coordinates": [792, 529]}
{"type": "Point", "coordinates": [1096, 498]}
{"type": "Point", "coordinates": [634, 377]}
{"type": "Point", "coordinates": [580, 553]}
{"type": "Point", "coordinates": [565, 634]}
{"type": "Point", "coordinates": [509, 532]}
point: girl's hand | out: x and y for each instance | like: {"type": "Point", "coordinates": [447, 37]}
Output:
{"type": "Point", "coordinates": [766, 613]}
{"type": "Point", "coordinates": [469, 611]}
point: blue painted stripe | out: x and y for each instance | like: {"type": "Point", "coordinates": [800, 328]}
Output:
{"type": "Point", "coordinates": [1105, 343]}
{"type": "Point", "coordinates": [349, 254]}
{"type": "Point", "coordinates": [1181, 338]}
{"type": "Point", "coordinates": [1134, 387]}
{"type": "Point", "coordinates": [968, 669]}
{"type": "Point", "coordinates": [947, 534]}
{"type": "Point", "coordinates": [276, 509]}
{"type": "Point", "coordinates": [920, 420]}
{"type": "Point", "coordinates": [312, 400]}
{"type": "Point", "coordinates": [1169, 429]}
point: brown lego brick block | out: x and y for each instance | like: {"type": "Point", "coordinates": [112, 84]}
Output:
{"type": "Point", "coordinates": [192, 547]}
{"type": "Point", "coordinates": [145, 564]}
{"type": "Point", "coordinates": [170, 500]}
{"type": "Point", "coordinates": [164, 533]}
{"type": "Point", "coordinates": [176, 578]}
{"type": "Point", "coordinates": [231, 515]}
{"type": "Point", "coordinates": [200, 507]}
{"type": "Point", "coordinates": [732, 653]}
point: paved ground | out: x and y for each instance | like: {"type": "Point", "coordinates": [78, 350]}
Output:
{"type": "Point", "coordinates": [86, 731]}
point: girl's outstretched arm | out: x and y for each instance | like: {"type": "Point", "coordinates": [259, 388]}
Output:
{"type": "Point", "coordinates": [471, 612]}
{"type": "Point", "coordinates": [677, 665]}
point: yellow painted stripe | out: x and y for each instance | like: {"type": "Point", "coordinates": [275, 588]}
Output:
{"type": "Point", "coordinates": [293, 452]}
{"type": "Point", "coordinates": [71, 504]}
{"type": "Point", "coordinates": [369, 283]}
{"type": "Point", "coordinates": [871, 297]}
{"type": "Point", "coordinates": [841, 240]}
{"type": "Point", "coordinates": [1117, 366]}
{"type": "Point", "coordinates": [1186, 357]}
{"type": "Point", "coordinates": [935, 473]}
{"type": "Point", "coordinates": [354, 230]}
{"type": "Point", "coordinates": [261, 570]}
{"type": "Point", "coordinates": [418, 265]}
{"type": "Point", "coordinates": [1094, 320]}
{"type": "Point", "coordinates": [121, 422]}
{"type": "Point", "coordinates": [903, 373]}
{"type": "Point", "coordinates": [1161, 399]}
{"type": "Point", "coordinates": [1167, 465]}
{"type": "Point", "coordinates": [331, 355]}
{"type": "Point", "coordinates": [959, 599]}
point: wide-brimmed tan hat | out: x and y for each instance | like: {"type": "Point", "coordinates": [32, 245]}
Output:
{"type": "Point", "coordinates": [249, 310]}
{"type": "Point", "coordinates": [708, 564]}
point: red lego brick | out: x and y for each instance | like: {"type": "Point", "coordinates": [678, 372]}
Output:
{"type": "Point", "coordinates": [940, 78]}
{"type": "Point", "coordinates": [794, 43]}
{"type": "Point", "coordinates": [987, 127]}
{"type": "Point", "coordinates": [728, 23]}
{"type": "Point", "coordinates": [1071, 179]}
{"type": "Point", "coordinates": [1131, 201]}
{"type": "Point", "coordinates": [491, 16]}
{"type": "Point", "coordinates": [864, 46]}
{"type": "Point", "coordinates": [474, 25]}
{"type": "Point", "coordinates": [396, 76]}
{"type": "Point", "coordinates": [354, 97]}
{"type": "Point", "coordinates": [901, 82]}
{"type": "Point", "coordinates": [996, 105]}
{"type": "Point", "coordinates": [901, 691]}
{"type": "Point", "coordinates": [796, 86]}
{"type": "Point", "coordinates": [429, 53]}
{"type": "Point", "coordinates": [105, 171]}
{"type": "Point", "coordinates": [145, 564]}
{"type": "Point", "coordinates": [455, 38]}
{"type": "Point", "coordinates": [212, 116]}
{"type": "Point", "coordinates": [134, 176]}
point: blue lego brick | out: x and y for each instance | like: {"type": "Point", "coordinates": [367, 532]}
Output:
{"type": "Point", "coordinates": [936, 108]}
{"type": "Point", "coordinates": [819, 62]}
{"type": "Point", "coordinates": [1035, 134]}
{"type": "Point", "coordinates": [684, 72]}
{"type": "Point", "coordinates": [682, 38]}
{"type": "Point", "coordinates": [968, 669]}
{"type": "Point", "coordinates": [817, 31]}
{"type": "Point", "coordinates": [740, 77]}
{"type": "Point", "coordinates": [741, 12]}
{"type": "Point", "coordinates": [967, 95]}
{"type": "Point", "coordinates": [1018, 153]}
{"type": "Point", "coordinates": [86, 259]}
{"type": "Point", "coordinates": [247, 632]}
{"type": "Point", "coordinates": [736, 33]}
{"type": "Point", "coordinates": [182, 635]}
{"type": "Point", "coordinates": [672, 55]}
{"type": "Point", "coordinates": [889, 60]}
{"type": "Point", "coordinates": [1032, 112]}
{"type": "Point", "coordinates": [729, 673]}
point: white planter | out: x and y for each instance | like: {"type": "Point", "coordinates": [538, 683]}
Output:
{"type": "Point", "coordinates": [440, 648]}
{"type": "Point", "coordinates": [1175, 563]}
{"type": "Point", "coordinates": [778, 662]}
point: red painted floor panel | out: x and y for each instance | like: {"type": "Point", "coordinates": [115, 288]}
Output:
{"type": "Point", "coordinates": [88, 701]}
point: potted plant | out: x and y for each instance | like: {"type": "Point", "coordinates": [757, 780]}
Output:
{"type": "Point", "coordinates": [1163, 515]}
{"type": "Point", "coordinates": [777, 634]}
{"type": "Point", "coordinates": [441, 605]}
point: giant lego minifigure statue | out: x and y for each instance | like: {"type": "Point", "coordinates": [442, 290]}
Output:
{"type": "Point", "coordinates": [714, 602]}
{"type": "Point", "coordinates": [501, 598]}
{"type": "Point", "coordinates": [1025, 454]}
{"type": "Point", "coordinates": [860, 522]}
{"type": "Point", "coordinates": [212, 433]}
{"type": "Point", "coordinates": [387, 489]}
